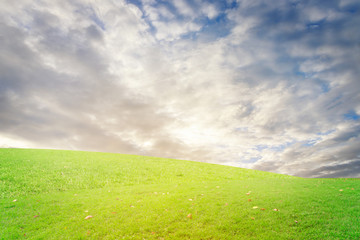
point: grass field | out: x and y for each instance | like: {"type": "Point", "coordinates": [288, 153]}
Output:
{"type": "Point", "coordinates": [53, 194]}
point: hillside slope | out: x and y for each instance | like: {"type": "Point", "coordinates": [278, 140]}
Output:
{"type": "Point", "coordinates": [47, 194]}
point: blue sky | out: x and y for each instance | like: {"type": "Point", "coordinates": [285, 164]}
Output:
{"type": "Point", "coordinates": [269, 85]}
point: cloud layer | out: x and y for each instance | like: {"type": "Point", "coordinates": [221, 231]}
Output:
{"type": "Point", "coordinates": [271, 86]}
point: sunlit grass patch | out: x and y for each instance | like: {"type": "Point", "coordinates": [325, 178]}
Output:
{"type": "Point", "coordinates": [49, 194]}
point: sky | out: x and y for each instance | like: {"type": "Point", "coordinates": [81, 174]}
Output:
{"type": "Point", "coordinates": [267, 85]}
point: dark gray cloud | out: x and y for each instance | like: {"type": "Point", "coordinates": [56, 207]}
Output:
{"type": "Point", "coordinates": [350, 170]}
{"type": "Point", "coordinates": [338, 155]}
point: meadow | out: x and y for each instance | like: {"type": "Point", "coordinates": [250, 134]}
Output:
{"type": "Point", "coordinates": [55, 194]}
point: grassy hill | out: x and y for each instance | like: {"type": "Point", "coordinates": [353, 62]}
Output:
{"type": "Point", "coordinates": [54, 194]}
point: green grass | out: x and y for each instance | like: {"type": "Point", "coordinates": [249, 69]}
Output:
{"type": "Point", "coordinates": [136, 197]}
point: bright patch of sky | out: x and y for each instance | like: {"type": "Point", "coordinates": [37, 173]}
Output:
{"type": "Point", "coordinates": [257, 84]}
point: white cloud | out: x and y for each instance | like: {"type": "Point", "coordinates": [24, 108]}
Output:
{"type": "Point", "coordinates": [151, 12]}
{"type": "Point", "coordinates": [184, 8]}
{"type": "Point", "coordinates": [345, 3]}
{"type": "Point", "coordinates": [210, 10]}
{"type": "Point", "coordinates": [165, 13]}
{"type": "Point", "coordinates": [270, 94]}
{"type": "Point", "coordinates": [173, 30]}
{"type": "Point", "coordinates": [315, 14]}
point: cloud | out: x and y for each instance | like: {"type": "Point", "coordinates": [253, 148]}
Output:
{"type": "Point", "coordinates": [336, 155]}
{"type": "Point", "coordinates": [184, 8]}
{"type": "Point", "coordinates": [272, 90]}
{"type": "Point", "coordinates": [316, 94]}
{"type": "Point", "coordinates": [210, 10]}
